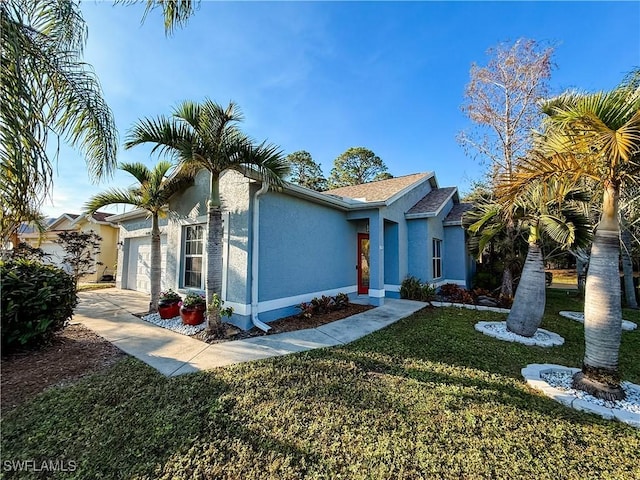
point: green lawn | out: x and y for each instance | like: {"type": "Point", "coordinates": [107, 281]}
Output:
{"type": "Point", "coordinates": [428, 397]}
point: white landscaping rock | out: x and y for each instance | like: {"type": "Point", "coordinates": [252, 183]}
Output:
{"type": "Point", "coordinates": [542, 338]}
{"type": "Point", "coordinates": [555, 382]}
{"type": "Point", "coordinates": [579, 317]}
{"type": "Point", "coordinates": [175, 324]}
{"type": "Point", "coordinates": [470, 307]}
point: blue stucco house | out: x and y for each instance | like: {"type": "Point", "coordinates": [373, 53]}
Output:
{"type": "Point", "coordinates": [285, 247]}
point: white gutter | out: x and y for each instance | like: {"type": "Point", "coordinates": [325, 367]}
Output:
{"type": "Point", "coordinates": [255, 260]}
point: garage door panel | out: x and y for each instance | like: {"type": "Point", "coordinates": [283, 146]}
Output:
{"type": "Point", "coordinates": [56, 255]}
{"type": "Point", "coordinates": [139, 264]}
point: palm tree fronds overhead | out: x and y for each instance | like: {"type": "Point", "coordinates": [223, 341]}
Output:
{"type": "Point", "coordinates": [47, 88]}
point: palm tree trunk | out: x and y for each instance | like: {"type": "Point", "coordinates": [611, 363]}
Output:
{"type": "Point", "coordinates": [602, 309]}
{"type": "Point", "coordinates": [214, 257]}
{"type": "Point", "coordinates": [528, 305]}
{"type": "Point", "coordinates": [581, 274]}
{"type": "Point", "coordinates": [506, 288]}
{"type": "Point", "coordinates": [156, 270]}
{"type": "Point", "coordinates": [627, 269]}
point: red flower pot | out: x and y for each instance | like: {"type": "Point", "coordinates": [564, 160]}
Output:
{"type": "Point", "coordinates": [192, 315]}
{"type": "Point", "coordinates": [169, 310]}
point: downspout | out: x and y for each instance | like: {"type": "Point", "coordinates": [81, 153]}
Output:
{"type": "Point", "coordinates": [255, 260]}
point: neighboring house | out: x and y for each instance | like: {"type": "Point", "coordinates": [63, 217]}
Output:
{"type": "Point", "coordinates": [46, 240]}
{"type": "Point", "coordinates": [98, 222]}
{"type": "Point", "coordinates": [285, 247]}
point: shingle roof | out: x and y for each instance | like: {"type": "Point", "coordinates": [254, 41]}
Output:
{"type": "Point", "coordinates": [456, 213]}
{"type": "Point", "coordinates": [432, 201]}
{"type": "Point", "coordinates": [377, 191]}
{"type": "Point", "coordinates": [101, 216]}
{"type": "Point", "coordinates": [26, 228]}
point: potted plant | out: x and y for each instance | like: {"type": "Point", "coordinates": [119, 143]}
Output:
{"type": "Point", "coordinates": [192, 309]}
{"type": "Point", "coordinates": [169, 304]}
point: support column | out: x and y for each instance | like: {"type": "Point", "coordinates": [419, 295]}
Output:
{"type": "Point", "coordinates": [376, 259]}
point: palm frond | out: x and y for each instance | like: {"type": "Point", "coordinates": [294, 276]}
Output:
{"type": "Point", "coordinates": [113, 196]}
{"type": "Point", "coordinates": [267, 160]}
{"type": "Point", "coordinates": [182, 180]}
{"type": "Point", "coordinates": [166, 135]}
{"type": "Point", "coordinates": [138, 170]}
{"type": "Point", "coordinates": [155, 188]}
{"type": "Point", "coordinates": [174, 12]}
{"type": "Point", "coordinates": [46, 88]}
{"type": "Point", "coordinates": [602, 127]}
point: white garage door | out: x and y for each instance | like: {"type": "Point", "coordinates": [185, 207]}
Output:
{"type": "Point", "coordinates": [139, 265]}
{"type": "Point", "coordinates": [56, 253]}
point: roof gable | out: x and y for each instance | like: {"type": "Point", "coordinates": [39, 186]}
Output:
{"type": "Point", "coordinates": [97, 217]}
{"type": "Point", "coordinates": [379, 191]}
{"type": "Point", "coordinates": [457, 212]}
{"type": "Point", "coordinates": [59, 223]}
{"type": "Point", "coordinates": [431, 204]}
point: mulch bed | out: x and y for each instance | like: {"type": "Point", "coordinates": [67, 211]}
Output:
{"type": "Point", "coordinates": [73, 353]}
{"type": "Point", "coordinates": [287, 324]}
{"type": "Point", "coordinates": [76, 352]}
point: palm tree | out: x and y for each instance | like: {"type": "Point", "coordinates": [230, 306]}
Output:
{"type": "Point", "coordinates": [155, 188]}
{"type": "Point", "coordinates": [206, 136]}
{"type": "Point", "coordinates": [596, 136]}
{"type": "Point", "coordinates": [46, 88]}
{"type": "Point", "coordinates": [558, 211]}
{"type": "Point", "coordinates": [492, 231]}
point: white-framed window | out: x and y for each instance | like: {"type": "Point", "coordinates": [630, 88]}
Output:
{"type": "Point", "coordinates": [192, 257]}
{"type": "Point", "coordinates": [437, 257]}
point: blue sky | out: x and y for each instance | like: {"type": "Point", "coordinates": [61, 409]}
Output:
{"type": "Point", "coordinates": [323, 77]}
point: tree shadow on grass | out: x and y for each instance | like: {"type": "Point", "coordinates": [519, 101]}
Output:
{"type": "Point", "coordinates": [132, 421]}
{"type": "Point", "coordinates": [441, 347]}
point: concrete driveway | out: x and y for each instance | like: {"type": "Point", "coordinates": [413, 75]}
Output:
{"type": "Point", "coordinates": [110, 314]}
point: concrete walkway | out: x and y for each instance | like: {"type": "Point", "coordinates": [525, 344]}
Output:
{"type": "Point", "coordinates": [110, 314]}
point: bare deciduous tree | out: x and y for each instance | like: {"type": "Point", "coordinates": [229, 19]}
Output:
{"type": "Point", "coordinates": [501, 101]}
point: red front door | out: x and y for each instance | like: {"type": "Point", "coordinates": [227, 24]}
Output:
{"type": "Point", "coordinates": [363, 264]}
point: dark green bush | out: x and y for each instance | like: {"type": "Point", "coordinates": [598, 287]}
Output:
{"type": "Point", "coordinates": [413, 289]}
{"type": "Point", "coordinates": [37, 300]}
{"type": "Point", "coordinates": [487, 280]}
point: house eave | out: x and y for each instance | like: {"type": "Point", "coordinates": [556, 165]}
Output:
{"type": "Point", "coordinates": [90, 219]}
{"type": "Point", "coordinates": [416, 216]}
{"type": "Point", "coordinates": [123, 217]}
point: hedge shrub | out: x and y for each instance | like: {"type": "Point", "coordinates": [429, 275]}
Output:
{"type": "Point", "coordinates": [37, 300]}
{"type": "Point", "coordinates": [413, 289]}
